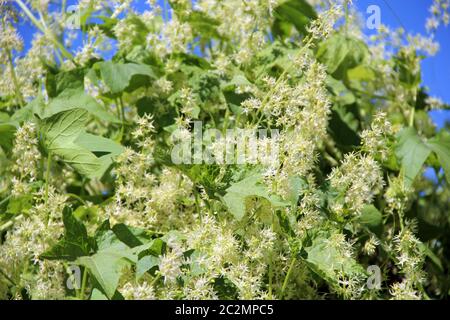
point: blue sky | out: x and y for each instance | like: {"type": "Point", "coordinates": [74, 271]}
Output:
{"type": "Point", "coordinates": [411, 14]}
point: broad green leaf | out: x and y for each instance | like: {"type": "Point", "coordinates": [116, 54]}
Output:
{"type": "Point", "coordinates": [107, 239]}
{"type": "Point", "coordinates": [332, 52]}
{"type": "Point", "coordinates": [145, 264]}
{"type": "Point", "coordinates": [203, 26]}
{"type": "Point", "coordinates": [7, 134]}
{"type": "Point", "coordinates": [341, 53]}
{"type": "Point", "coordinates": [441, 146]}
{"type": "Point", "coordinates": [87, 213]}
{"type": "Point", "coordinates": [104, 149]}
{"type": "Point", "coordinates": [249, 187]}
{"type": "Point", "coordinates": [372, 218]}
{"type": "Point", "coordinates": [341, 94]}
{"type": "Point", "coordinates": [325, 259]}
{"type": "Point", "coordinates": [75, 242]}
{"type": "Point", "coordinates": [57, 83]}
{"type": "Point", "coordinates": [106, 267]}
{"type": "Point", "coordinates": [118, 76]}
{"type": "Point", "coordinates": [20, 204]}
{"type": "Point", "coordinates": [81, 159]}
{"type": "Point", "coordinates": [27, 113]}
{"type": "Point", "coordinates": [97, 295]}
{"type": "Point", "coordinates": [432, 256]}
{"type": "Point", "coordinates": [359, 76]}
{"type": "Point", "coordinates": [77, 99]}
{"type": "Point", "coordinates": [413, 152]}
{"type": "Point", "coordinates": [63, 135]}
{"type": "Point", "coordinates": [64, 126]}
{"type": "Point", "coordinates": [107, 264]}
{"type": "Point", "coordinates": [4, 117]}
{"type": "Point", "coordinates": [296, 184]}
{"type": "Point", "coordinates": [361, 73]}
{"type": "Point", "coordinates": [239, 80]}
{"type": "Point", "coordinates": [343, 128]}
{"type": "Point", "coordinates": [132, 237]}
{"type": "Point", "coordinates": [296, 12]}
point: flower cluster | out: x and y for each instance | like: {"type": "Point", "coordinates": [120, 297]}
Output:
{"type": "Point", "coordinates": [329, 188]}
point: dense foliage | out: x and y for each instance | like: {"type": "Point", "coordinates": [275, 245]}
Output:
{"type": "Point", "coordinates": [92, 205]}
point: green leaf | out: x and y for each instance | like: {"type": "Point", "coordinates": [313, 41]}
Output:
{"type": "Point", "coordinates": [97, 295]}
{"type": "Point", "coordinates": [63, 135]}
{"type": "Point", "coordinates": [104, 149]}
{"type": "Point", "coordinates": [27, 113]}
{"type": "Point", "coordinates": [441, 146]}
{"type": "Point", "coordinates": [59, 133]}
{"type": "Point", "coordinates": [106, 267]}
{"type": "Point", "coordinates": [75, 242]}
{"type": "Point", "coordinates": [121, 76]}
{"type": "Point", "coordinates": [107, 264]}
{"type": "Point", "coordinates": [413, 153]}
{"type": "Point", "coordinates": [432, 256]}
{"type": "Point", "coordinates": [203, 26]}
{"type": "Point", "coordinates": [76, 99]}
{"type": "Point", "coordinates": [238, 80]}
{"type": "Point", "coordinates": [343, 128]}
{"type": "Point", "coordinates": [372, 218]}
{"type": "Point", "coordinates": [341, 94]}
{"type": "Point", "coordinates": [86, 213]}
{"type": "Point", "coordinates": [325, 259]}
{"type": "Point", "coordinates": [132, 237]}
{"type": "Point", "coordinates": [292, 12]}
{"type": "Point", "coordinates": [145, 264]}
{"type": "Point", "coordinates": [20, 204]}
{"type": "Point", "coordinates": [57, 83]}
{"type": "Point", "coordinates": [296, 184]}
{"type": "Point", "coordinates": [341, 53]}
{"type": "Point", "coordinates": [7, 134]}
{"type": "Point", "coordinates": [249, 187]}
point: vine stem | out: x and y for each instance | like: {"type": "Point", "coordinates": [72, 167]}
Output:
{"type": "Point", "coordinates": [44, 30]}
{"type": "Point", "coordinates": [158, 276]}
{"type": "Point", "coordinates": [411, 117]}
{"type": "Point", "coordinates": [347, 2]}
{"type": "Point", "coordinates": [197, 202]}
{"type": "Point", "coordinates": [74, 196]}
{"type": "Point", "coordinates": [288, 274]}
{"type": "Point", "coordinates": [271, 266]}
{"type": "Point", "coordinates": [3, 273]}
{"type": "Point", "coordinates": [121, 114]}
{"type": "Point", "coordinates": [13, 73]}
{"type": "Point", "coordinates": [4, 200]}
{"type": "Point", "coordinates": [270, 278]}
{"type": "Point", "coordinates": [15, 80]}
{"type": "Point", "coordinates": [10, 223]}
{"type": "Point", "coordinates": [83, 283]}
{"type": "Point", "coordinates": [47, 177]}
